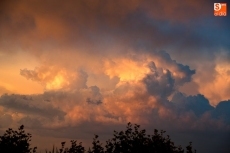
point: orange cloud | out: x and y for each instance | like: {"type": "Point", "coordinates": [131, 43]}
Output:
{"type": "Point", "coordinates": [126, 69]}
{"type": "Point", "coordinates": [217, 89]}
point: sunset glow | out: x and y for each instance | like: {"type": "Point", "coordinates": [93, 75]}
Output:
{"type": "Point", "coordinates": [69, 70]}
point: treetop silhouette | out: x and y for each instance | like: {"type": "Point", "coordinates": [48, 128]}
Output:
{"type": "Point", "coordinates": [132, 140]}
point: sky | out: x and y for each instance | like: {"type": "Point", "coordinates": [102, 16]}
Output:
{"type": "Point", "coordinates": [72, 69]}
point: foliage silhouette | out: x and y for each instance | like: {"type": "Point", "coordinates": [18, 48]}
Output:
{"type": "Point", "coordinates": [132, 140]}
{"type": "Point", "coordinates": [16, 141]}
{"type": "Point", "coordinates": [75, 148]}
{"type": "Point", "coordinates": [97, 146]}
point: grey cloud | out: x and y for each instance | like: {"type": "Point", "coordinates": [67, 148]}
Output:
{"type": "Point", "coordinates": [168, 62]}
{"type": "Point", "coordinates": [201, 107]}
{"type": "Point", "coordinates": [195, 41]}
{"type": "Point", "coordinates": [188, 73]}
{"type": "Point", "coordinates": [31, 122]}
{"type": "Point", "coordinates": [86, 128]}
{"type": "Point", "coordinates": [5, 120]}
{"type": "Point", "coordinates": [159, 83]}
{"type": "Point", "coordinates": [96, 102]}
{"type": "Point", "coordinates": [95, 91]}
{"type": "Point", "coordinates": [222, 111]}
{"type": "Point", "coordinates": [94, 96]}
{"type": "Point", "coordinates": [26, 105]}
{"type": "Point", "coordinates": [30, 74]}
{"type": "Point", "coordinates": [197, 104]}
{"type": "Point", "coordinates": [97, 21]}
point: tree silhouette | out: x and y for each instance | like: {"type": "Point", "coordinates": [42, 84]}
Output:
{"type": "Point", "coordinates": [97, 146]}
{"type": "Point", "coordinates": [75, 148]}
{"type": "Point", "coordinates": [16, 141]}
{"type": "Point", "coordinates": [132, 140]}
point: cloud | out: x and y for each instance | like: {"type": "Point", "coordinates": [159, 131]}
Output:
{"type": "Point", "coordinates": [222, 111]}
{"type": "Point", "coordinates": [168, 76]}
{"type": "Point", "coordinates": [28, 105]}
{"type": "Point", "coordinates": [131, 100]}
{"type": "Point", "coordinates": [41, 26]}
{"type": "Point", "coordinates": [175, 11]}
{"type": "Point", "coordinates": [100, 65]}
{"type": "Point", "coordinates": [198, 104]}
{"type": "Point", "coordinates": [181, 73]}
{"type": "Point", "coordinates": [140, 92]}
{"type": "Point", "coordinates": [95, 96]}
{"type": "Point", "coordinates": [55, 78]}
{"type": "Point", "coordinates": [3, 90]}
{"type": "Point", "coordinates": [31, 122]}
{"type": "Point", "coordinates": [160, 82]}
{"type": "Point", "coordinates": [217, 80]}
{"type": "Point", "coordinates": [5, 120]}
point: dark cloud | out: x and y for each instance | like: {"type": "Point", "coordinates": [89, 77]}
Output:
{"type": "Point", "coordinates": [6, 120]}
{"type": "Point", "coordinates": [158, 25]}
{"type": "Point", "coordinates": [174, 116]}
{"type": "Point", "coordinates": [31, 122]}
{"type": "Point", "coordinates": [159, 82]}
{"type": "Point", "coordinates": [30, 74]}
{"type": "Point", "coordinates": [200, 106]}
{"type": "Point", "coordinates": [94, 96]}
{"type": "Point", "coordinates": [197, 104]}
{"type": "Point", "coordinates": [167, 61]}
{"type": "Point", "coordinates": [222, 111]}
{"type": "Point", "coordinates": [27, 105]}
{"type": "Point", "coordinates": [163, 82]}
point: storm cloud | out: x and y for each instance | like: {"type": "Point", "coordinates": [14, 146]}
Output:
{"type": "Point", "coordinates": [73, 69]}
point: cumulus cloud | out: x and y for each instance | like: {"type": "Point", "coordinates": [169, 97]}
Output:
{"type": "Point", "coordinates": [140, 93]}
{"type": "Point", "coordinates": [143, 100]}
{"type": "Point", "coordinates": [198, 104]}
{"type": "Point", "coordinates": [160, 82]}
{"type": "Point", "coordinates": [55, 78]}
{"type": "Point", "coordinates": [181, 73]}
{"type": "Point", "coordinates": [142, 86]}
{"type": "Point", "coordinates": [215, 82]}
{"type": "Point", "coordinates": [222, 111]}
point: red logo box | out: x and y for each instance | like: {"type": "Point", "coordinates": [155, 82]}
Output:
{"type": "Point", "coordinates": [220, 9]}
